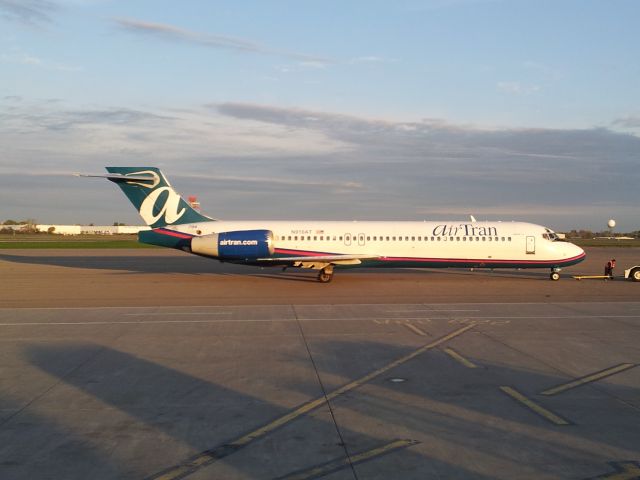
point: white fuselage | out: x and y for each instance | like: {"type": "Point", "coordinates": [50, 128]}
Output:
{"type": "Point", "coordinates": [441, 243]}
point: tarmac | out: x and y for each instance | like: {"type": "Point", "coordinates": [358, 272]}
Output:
{"type": "Point", "coordinates": [152, 364]}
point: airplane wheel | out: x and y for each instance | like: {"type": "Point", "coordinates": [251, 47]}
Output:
{"type": "Point", "coordinates": [555, 276]}
{"type": "Point", "coordinates": [635, 275]}
{"type": "Point", "coordinates": [324, 277]}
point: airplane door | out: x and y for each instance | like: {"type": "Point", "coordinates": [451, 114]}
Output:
{"type": "Point", "coordinates": [531, 244]}
{"type": "Point", "coordinates": [361, 239]}
{"type": "Point", "coordinates": [347, 239]}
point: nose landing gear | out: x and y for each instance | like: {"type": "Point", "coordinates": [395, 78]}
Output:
{"type": "Point", "coordinates": [555, 274]}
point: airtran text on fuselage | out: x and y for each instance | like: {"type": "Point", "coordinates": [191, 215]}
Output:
{"type": "Point", "coordinates": [468, 229]}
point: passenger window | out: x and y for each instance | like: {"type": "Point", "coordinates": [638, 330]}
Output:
{"type": "Point", "coordinates": [393, 238]}
{"type": "Point", "coordinates": [295, 238]}
{"type": "Point", "coordinates": [490, 239]}
{"type": "Point", "coordinates": [341, 238]}
{"type": "Point", "coordinates": [387, 239]}
{"type": "Point", "coordinates": [496, 239]}
{"type": "Point", "coordinates": [399, 239]}
{"type": "Point", "coordinates": [503, 239]}
{"type": "Point", "coordinates": [508, 239]}
{"type": "Point", "coordinates": [413, 239]}
{"type": "Point", "coordinates": [368, 239]}
{"type": "Point", "coordinates": [438, 238]}
{"type": "Point", "coordinates": [484, 239]}
{"type": "Point", "coordinates": [315, 238]}
{"type": "Point", "coordinates": [464, 239]}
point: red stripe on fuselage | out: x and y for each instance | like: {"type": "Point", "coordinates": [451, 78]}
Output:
{"type": "Point", "coordinates": [173, 233]}
{"type": "Point", "coordinates": [303, 253]}
{"type": "Point", "coordinates": [484, 260]}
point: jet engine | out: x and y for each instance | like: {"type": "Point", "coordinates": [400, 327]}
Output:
{"type": "Point", "coordinates": [238, 245]}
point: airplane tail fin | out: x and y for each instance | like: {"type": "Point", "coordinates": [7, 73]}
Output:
{"type": "Point", "coordinates": [153, 196]}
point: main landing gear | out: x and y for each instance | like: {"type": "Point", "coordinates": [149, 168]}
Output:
{"type": "Point", "coordinates": [326, 274]}
{"type": "Point", "coordinates": [555, 274]}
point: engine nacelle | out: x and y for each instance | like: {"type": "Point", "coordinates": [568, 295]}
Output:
{"type": "Point", "coordinates": [239, 245]}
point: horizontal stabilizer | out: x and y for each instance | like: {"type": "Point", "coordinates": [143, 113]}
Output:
{"type": "Point", "coordinates": [119, 177]}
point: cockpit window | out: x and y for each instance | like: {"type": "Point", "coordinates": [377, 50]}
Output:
{"type": "Point", "coordinates": [550, 235]}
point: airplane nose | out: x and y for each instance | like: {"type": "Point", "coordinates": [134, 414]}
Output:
{"type": "Point", "coordinates": [576, 251]}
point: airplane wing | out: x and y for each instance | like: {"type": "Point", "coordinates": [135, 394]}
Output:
{"type": "Point", "coordinates": [320, 259]}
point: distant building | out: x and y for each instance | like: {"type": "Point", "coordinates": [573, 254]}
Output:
{"type": "Point", "coordinates": [91, 229]}
{"type": "Point", "coordinates": [615, 238]}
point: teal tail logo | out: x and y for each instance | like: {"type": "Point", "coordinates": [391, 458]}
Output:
{"type": "Point", "coordinates": [154, 197]}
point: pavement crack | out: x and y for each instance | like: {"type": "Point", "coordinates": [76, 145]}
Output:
{"type": "Point", "coordinates": [324, 393]}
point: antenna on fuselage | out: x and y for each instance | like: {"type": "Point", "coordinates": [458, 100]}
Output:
{"type": "Point", "coordinates": [473, 219]}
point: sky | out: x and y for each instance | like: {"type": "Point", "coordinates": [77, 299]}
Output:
{"type": "Point", "coordinates": [404, 110]}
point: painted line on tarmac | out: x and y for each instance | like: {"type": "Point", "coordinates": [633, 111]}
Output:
{"type": "Point", "coordinates": [465, 320]}
{"type": "Point", "coordinates": [592, 377]}
{"type": "Point", "coordinates": [350, 305]}
{"type": "Point", "coordinates": [210, 456]}
{"type": "Point", "coordinates": [160, 314]}
{"type": "Point", "coordinates": [459, 358]}
{"type": "Point", "coordinates": [415, 329]}
{"type": "Point", "coordinates": [533, 406]}
{"type": "Point", "coordinates": [344, 462]}
{"type": "Point", "coordinates": [429, 310]}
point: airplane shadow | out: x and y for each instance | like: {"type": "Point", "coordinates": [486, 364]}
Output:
{"type": "Point", "coordinates": [194, 265]}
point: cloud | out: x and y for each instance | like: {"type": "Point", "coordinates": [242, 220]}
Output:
{"type": "Point", "coordinates": [628, 122]}
{"type": "Point", "coordinates": [370, 59]}
{"type": "Point", "coordinates": [545, 70]}
{"type": "Point", "coordinates": [250, 161]}
{"type": "Point", "coordinates": [28, 12]}
{"type": "Point", "coordinates": [176, 34]}
{"type": "Point", "coordinates": [286, 181]}
{"type": "Point", "coordinates": [517, 88]}
{"type": "Point", "coordinates": [28, 59]}
{"type": "Point", "coordinates": [31, 118]}
{"type": "Point", "coordinates": [517, 210]}
{"type": "Point", "coordinates": [461, 165]}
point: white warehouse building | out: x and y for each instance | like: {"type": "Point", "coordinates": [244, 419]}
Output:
{"type": "Point", "coordinates": [91, 229]}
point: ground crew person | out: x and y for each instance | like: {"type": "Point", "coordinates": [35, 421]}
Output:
{"type": "Point", "coordinates": [613, 265]}
{"type": "Point", "coordinates": [608, 268]}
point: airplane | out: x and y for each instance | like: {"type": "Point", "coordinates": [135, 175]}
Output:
{"type": "Point", "coordinates": [323, 246]}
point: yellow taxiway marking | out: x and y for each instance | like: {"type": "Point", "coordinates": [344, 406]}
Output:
{"type": "Point", "coordinates": [624, 471]}
{"type": "Point", "coordinates": [540, 410]}
{"type": "Point", "coordinates": [340, 463]}
{"type": "Point", "coordinates": [459, 358]}
{"type": "Point", "coordinates": [213, 455]}
{"type": "Point", "coordinates": [415, 329]}
{"type": "Point", "coordinates": [589, 378]}
{"type": "Point", "coordinates": [592, 277]}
